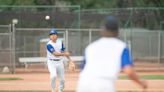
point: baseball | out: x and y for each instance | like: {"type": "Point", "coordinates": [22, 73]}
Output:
{"type": "Point", "coordinates": [47, 17]}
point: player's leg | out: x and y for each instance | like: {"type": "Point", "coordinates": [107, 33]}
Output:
{"type": "Point", "coordinates": [60, 73]}
{"type": "Point", "coordinates": [53, 74]}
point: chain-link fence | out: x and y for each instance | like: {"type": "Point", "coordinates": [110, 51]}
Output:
{"type": "Point", "coordinates": [6, 50]}
{"type": "Point", "coordinates": [141, 29]}
{"type": "Point", "coordinates": [145, 45]}
{"type": "Point", "coordinates": [31, 42]}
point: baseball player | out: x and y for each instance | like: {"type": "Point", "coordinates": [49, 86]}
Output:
{"type": "Point", "coordinates": [55, 55]}
{"type": "Point", "coordinates": [104, 59]}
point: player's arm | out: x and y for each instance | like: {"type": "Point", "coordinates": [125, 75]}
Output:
{"type": "Point", "coordinates": [63, 50]}
{"type": "Point", "coordinates": [67, 55]}
{"type": "Point", "coordinates": [127, 67]}
{"type": "Point", "coordinates": [51, 49]}
{"type": "Point", "coordinates": [133, 76]}
{"type": "Point", "coordinates": [71, 64]}
{"type": "Point", "coordinates": [82, 65]}
{"type": "Point", "coordinates": [70, 61]}
{"type": "Point", "coordinates": [61, 54]}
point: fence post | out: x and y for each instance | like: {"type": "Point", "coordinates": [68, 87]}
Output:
{"type": "Point", "coordinates": [125, 36]}
{"type": "Point", "coordinates": [131, 30]}
{"type": "Point", "coordinates": [159, 48]}
{"type": "Point", "coordinates": [161, 44]}
{"type": "Point", "coordinates": [13, 46]}
{"type": "Point", "coordinates": [90, 36]}
{"type": "Point", "coordinates": [10, 42]}
{"type": "Point", "coordinates": [66, 39]}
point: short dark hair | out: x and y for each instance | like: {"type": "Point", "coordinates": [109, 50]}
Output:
{"type": "Point", "coordinates": [111, 23]}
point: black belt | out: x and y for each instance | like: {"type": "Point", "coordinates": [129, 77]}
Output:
{"type": "Point", "coordinates": [55, 59]}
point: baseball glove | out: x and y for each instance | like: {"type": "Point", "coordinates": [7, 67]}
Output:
{"type": "Point", "coordinates": [71, 66]}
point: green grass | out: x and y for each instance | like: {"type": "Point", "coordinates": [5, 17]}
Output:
{"type": "Point", "coordinates": [22, 91]}
{"type": "Point", "coordinates": [69, 91]}
{"type": "Point", "coordinates": [12, 78]}
{"type": "Point", "coordinates": [152, 77]}
{"type": "Point", "coordinates": [29, 91]}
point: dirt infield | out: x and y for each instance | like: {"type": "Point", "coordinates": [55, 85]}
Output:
{"type": "Point", "coordinates": [40, 81]}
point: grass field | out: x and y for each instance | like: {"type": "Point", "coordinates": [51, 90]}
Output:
{"type": "Point", "coordinates": [12, 78]}
{"type": "Point", "coordinates": [152, 77]}
{"type": "Point", "coordinates": [64, 91]}
{"type": "Point", "coordinates": [30, 91]}
{"type": "Point", "coordinates": [26, 91]}
{"type": "Point", "coordinates": [123, 77]}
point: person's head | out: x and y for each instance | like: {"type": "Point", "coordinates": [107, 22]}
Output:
{"type": "Point", "coordinates": [111, 27]}
{"type": "Point", "coordinates": [53, 34]}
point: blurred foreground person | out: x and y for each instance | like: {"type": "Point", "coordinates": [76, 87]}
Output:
{"type": "Point", "coordinates": [104, 59]}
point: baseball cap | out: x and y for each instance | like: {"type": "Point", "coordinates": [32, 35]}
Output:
{"type": "Point", "coordinates": [53, 31]}
{"type": "Point", "coordinates": [111, 23]}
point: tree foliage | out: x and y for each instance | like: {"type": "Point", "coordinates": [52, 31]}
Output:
{"type": "Point", "coordinates": [116, 3]}
{"type": "Point", "coordinates": [145, 18]}
{"type": "Point", "coordinates": [88, 4]}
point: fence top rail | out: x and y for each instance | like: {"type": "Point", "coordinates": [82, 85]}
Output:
{"type": "Point", "coordinates": [129, 8]}
{"type": "Point", "coordinates": [4, 26]}
{"type": "Point", "coordinates": [2, 34]}
{"type": "Point", "coordinates": [90, 29]}
{"type": "Point", "coordinates": [52, 6]}
{"type": "Point", "coordinates": [38, 6]}
{"type": "Point", "coordinates": [61, 29]}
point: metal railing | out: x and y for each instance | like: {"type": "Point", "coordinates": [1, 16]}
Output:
{"type": "Point", "coordinates": [145, 44]}
{"type": "Point", "coordinates": [6, 50]}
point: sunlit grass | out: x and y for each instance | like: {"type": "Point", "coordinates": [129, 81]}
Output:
{"type": "Point", "coordinates": [151, 77]}
{"type": "Point", "coordinates": [12, 78]}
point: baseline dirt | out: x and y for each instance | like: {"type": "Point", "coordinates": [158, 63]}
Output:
{"type": "Point", "coordinates": [40, 81]}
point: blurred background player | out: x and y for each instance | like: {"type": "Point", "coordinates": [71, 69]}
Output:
{"type": "Point", "coordinates": [55, 56]}
{"type": "Point", "coordinates": [104, 59]}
